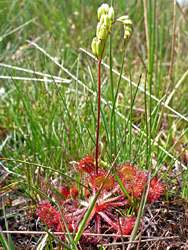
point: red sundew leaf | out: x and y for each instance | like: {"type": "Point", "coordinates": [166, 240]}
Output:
{"type": "Point", "coordinates": [126, 224]}
{"type": "Point", "coordinates": [156, 189]}
{"type": "Point", "coordinates": [87, 193]}
{"type": "Point", "coordinates": [139, 183]}
{"type": "Point", "coordinates": [65, 191]}
{"type": "Point", "coordinates": [100, 179]}
{"type": "Point", "coordinates": [135, 187]}
{"type": "Point", "coordinates": [73, 192]}
{"type": "Point", "coordinates": [48, 214]}
{"type": "Point", "coordinates": [127, 173]}
{"type": "Point", "coordinates": [86, 164]}
{"type": "Point", "coordinates": [60, 229]}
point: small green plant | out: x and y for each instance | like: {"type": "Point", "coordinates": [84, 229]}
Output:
{"type": "Point", "coordinates": [92, 209]}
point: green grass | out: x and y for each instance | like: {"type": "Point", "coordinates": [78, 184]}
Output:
{"type": "Point", "coordinates": [53, 123]}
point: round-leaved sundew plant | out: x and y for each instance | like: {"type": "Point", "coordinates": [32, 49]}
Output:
{"type": "Point", "coordinates": [100, 197]}
{"type": "Point", "coordinates": [103, 218]}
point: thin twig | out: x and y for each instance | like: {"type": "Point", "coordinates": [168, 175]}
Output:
{"type": "Point", "coordinates": [30, 71]}
{"type": "Point", "coordinates": [144, 238]}
{"type": "Point", "coordinates": [123, 245]}
{"type": "Point", "coordinates": [35, 79]}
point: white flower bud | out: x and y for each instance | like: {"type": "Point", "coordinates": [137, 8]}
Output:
{"type": "Point", "coordinates": [100, 12]}
{"type": "Point", "coordinates": [105, 7]}
{"type": "Point", "coordinates": [103, 32]}
{"type": "Point", "coordinates": [99, 47]}
{"type": "Point", "coordinates": [128, 29]}
{"type": "Point", "coordinates": [102, 18]}
{"type": "Point", "coordinates": [127, 22]}
{"type": "Point", "coordinates": [126, 34]}
{"type": "Point", "coordinates": [107, 21]}
{"type": "Point", "coordinates": [94, 46]}
{"type": "Point", "coordinates": [122, 18]}
{"type": "Point", "coordinates": [111, 14]}
{"type": "Point", "coordinates": [102, 164]}
{"type": "Point", "coordinates": [98, 29]}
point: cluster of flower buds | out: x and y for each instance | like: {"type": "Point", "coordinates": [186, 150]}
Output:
{"type": "Point", "coordinates": [126, 22]}
{"type": "Point", "coordinates": [106, 17]}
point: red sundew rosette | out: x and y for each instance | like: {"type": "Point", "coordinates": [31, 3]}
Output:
{"type": "Point", "coordinates": [135, 180]}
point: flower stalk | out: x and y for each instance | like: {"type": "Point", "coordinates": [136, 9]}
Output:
{"type": "Point", "coordinates": [98, 117]}
{"type": "Point", "coordinates": [106, 20]}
